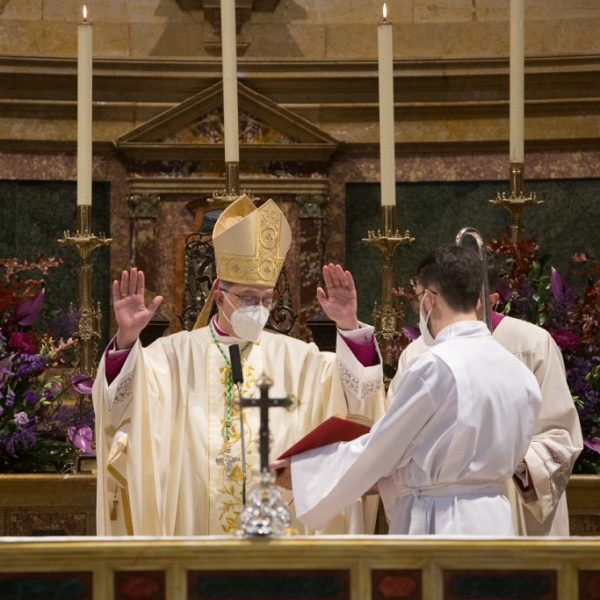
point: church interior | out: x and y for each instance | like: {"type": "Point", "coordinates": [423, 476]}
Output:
{"type": "Point", "coordinates": [308, 100]}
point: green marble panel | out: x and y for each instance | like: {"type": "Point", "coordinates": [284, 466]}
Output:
{"type": "Point", "coordinates": [34, 215]}
{"type": "Point", "coordinates": [434, 212]}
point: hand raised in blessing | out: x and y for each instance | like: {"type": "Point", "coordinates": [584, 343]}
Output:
{"type": "Point", "coordinates": [131, 312]}
{"type": "Point", "coordinates": [339, 303]}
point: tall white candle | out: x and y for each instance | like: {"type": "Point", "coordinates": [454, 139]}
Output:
{"type": "Point", "coordinates": [517, 80]}
{"type": "Point", "coordinates": [386, 112]}
{"type": "Point", "coordinates": [230, 99]}
{"type": "Point", "coordinates": [84, 112]}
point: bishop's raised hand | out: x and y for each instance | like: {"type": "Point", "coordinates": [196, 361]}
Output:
{"type": "Point", "coordinates": [339, 302]}
{"type": "Point", "coordinates": [131, 312]}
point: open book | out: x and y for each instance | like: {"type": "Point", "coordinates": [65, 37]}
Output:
{"type": "Point", "coordinates": [339, 428]}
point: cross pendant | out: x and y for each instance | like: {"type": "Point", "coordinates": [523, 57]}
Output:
{"type": "Point", "coordinates": [227, 461]}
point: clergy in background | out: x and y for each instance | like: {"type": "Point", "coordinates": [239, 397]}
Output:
{"type": "Point", "coordinates": [536, 492]}
{"type": "Point", "coordinates": [168, 434]}
{"type": "Point", "coordinates": [459, 422]}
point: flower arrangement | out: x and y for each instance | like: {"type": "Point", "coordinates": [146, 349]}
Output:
{"type": "Point", "coordinates": [530, 291]}
{"type": "Point", "coordinates": [39, 431]}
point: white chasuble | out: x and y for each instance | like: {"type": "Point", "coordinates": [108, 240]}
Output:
{"type": "Point", "coordinates": [557, 439]}
{"type": "Point", "coordinates": [460, 419]}
{"type": "Point", "coordinates": [169, 463]}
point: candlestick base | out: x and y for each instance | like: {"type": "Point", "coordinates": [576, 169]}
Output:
{"type": "Point", "coordinates": [89, 323]}
{"type": "Point", "coordinates": [517, 202]}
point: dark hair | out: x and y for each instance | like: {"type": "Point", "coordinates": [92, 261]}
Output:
{"type": "Point", "coordinates": [224, 286]}
{"type": "Point", "coordinates": [456, 272]}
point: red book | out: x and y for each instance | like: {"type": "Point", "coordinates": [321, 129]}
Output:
{"type": "Point", "coordinates": [339, 428]}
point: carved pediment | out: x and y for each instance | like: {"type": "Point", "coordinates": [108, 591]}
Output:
{"type": "Point", "coordinates": [193, 130]}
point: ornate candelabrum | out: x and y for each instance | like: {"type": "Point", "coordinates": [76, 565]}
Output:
{"type": "Point", "coordinates": [89, 324]}
{"type": "Point", "coordinates": [387, 318]}
{"type": "Point", "coordinates": [518, 202]}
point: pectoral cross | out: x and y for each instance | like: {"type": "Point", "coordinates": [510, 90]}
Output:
{"type": "Point", "coordinates": [264, 403]}
{"type": "Point", "coordinates": [227, 461]}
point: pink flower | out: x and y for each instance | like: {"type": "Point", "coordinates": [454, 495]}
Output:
{"type": "Point", "coordinates": [565, 339]}
{"type": "Point", "coordinates": [21, 418]}
{"type": "Point", "coordinates": [22, 342]}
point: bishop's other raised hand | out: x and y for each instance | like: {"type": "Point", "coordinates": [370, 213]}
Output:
{"type": "Point", "coordinates": [339, 303]}
{"type": "Point", "coordinates": [131, 312]}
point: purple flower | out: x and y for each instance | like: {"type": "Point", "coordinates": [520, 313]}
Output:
{"type": "Point", "coordinates": [26, 313]}
{"type": "Point", "coordinates": [66, 324]}
{"type": "Point", "coordinates": [411, 332]}
{"type": "Point", "coordinates": [21, 418]}
{"type": "Point", "coordinates": [21, 439]}
{"type": "Point", "coordinates": [31, 397]}
{"type": "Point", "coordinates": [5, 370]}
{"type": "Point", "coordinates": [565, 339]}
{"type": "Point", "coordinates": [81, 437]}
{"type": "Point", "coordinates": [10, 399]}
{"type": "Point", "coordinates": [32, 364]}
{"type": "Point", "coordinates": [82, 384]}
{"type": "Point", "coordinates": [593, 443]}
{"type": "Point", "coordinates": [560, 288]}
{"type": "Point", "coordinates": [47, 394]}
{"type": "Point", "coordinates": [23, 370]}
{"type": "Point", "coordinates": [503, 290]}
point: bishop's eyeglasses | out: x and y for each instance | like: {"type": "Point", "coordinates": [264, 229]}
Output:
{"type": "Point", "coordinates": [415, 301]}
{"type": "Point", "coordinates": [252, 300]}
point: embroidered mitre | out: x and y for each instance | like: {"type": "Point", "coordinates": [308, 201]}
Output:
{"type": "Point", "coordinates": [251, 243]}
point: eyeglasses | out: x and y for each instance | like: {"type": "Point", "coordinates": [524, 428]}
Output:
{"type": "Point", "coordinates": [415, 302]}
{"type": "Point", "coordinates": [252, 300]}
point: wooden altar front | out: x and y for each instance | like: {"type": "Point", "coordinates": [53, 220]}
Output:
{"type": "Point", "coordinates": [369, 568]}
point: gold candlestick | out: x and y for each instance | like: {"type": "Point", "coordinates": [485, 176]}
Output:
{"type": "Point", "coordinates": [518, 202]}
{"type": "Point", "coordinates": [387, 319]}
{"type": "Point", "coordinates": [232, 185]}
{"type": "Point", "coordinates": [89, 324]}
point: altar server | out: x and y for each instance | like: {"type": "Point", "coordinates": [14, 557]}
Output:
{"type": "Point", "coordinates": [168, 436]}
{"type": "Point", "coordinates": [459, 423]}
{"type": "Point", "coordinates": [536, 493]}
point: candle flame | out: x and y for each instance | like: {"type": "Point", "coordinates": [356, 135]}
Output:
{"type": "Point", "coordinates": [384, 12]}
{"type": "Point", "coordinates": [84, 13]}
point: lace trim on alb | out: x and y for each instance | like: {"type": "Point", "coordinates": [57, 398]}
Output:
{"type": "Point", "coordinates": [557, 468]}
{"type": "Point", "coordinates": [352, 382]}
{"type": "Point", "coordinates": [123, 392]}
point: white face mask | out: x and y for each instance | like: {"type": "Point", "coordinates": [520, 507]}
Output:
{"type": "Point", "coordinates": [248, 321]}
{"type": "Point", "coordinates": [423, 324]}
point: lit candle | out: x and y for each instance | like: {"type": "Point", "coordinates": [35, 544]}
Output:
{"type": "Point", "coordinates": [84, 112]}
{"type": "Point", "coordinates": [386, 112]}
{"type": "Point", "coordinates": [230, 99]}
{"type": "Point", "coordinates": [517, 80]}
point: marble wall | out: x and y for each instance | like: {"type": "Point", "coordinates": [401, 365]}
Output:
{"type": "Point", "coordinates": [437, 196]}
{"type": "Point", "coordinates": [46, 183]}
{"type": "Point", "coordinates": [301, 29]}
